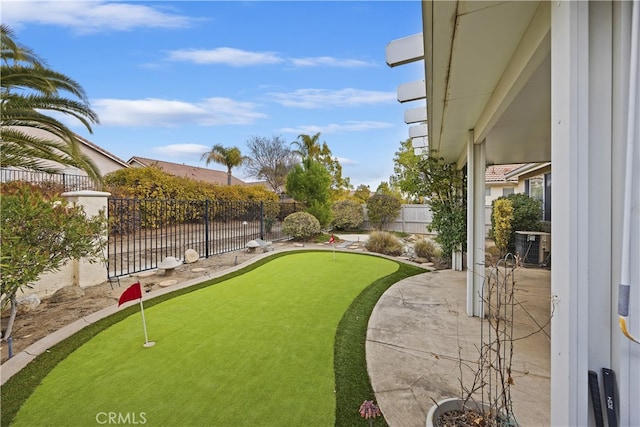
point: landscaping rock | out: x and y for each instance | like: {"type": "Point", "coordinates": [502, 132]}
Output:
{"type": "Point", "coordinates": [68, 293]}
{"type": "Point", "coordinates": [28, 303]}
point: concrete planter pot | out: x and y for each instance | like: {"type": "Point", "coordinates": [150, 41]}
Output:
{"type": "Point", "coordinates": [452, 404]}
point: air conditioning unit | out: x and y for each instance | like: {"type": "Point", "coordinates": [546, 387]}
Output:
{"type": "Point", "coordinates": [533, 247]}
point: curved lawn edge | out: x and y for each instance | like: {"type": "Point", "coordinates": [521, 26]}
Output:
{"type": "Point", "coordinates": [353, 385]}
{"type": "Point", "coordinates": [20, 386]}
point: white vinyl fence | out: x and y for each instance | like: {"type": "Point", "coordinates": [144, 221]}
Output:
{"type": "Point", "coordinates": [415, 219]}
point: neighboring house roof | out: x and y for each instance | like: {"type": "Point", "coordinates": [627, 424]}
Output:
{"type": "Point", "coordinates": [527, 169]}
{"type": "Point", "coordinates": [104, 160]}
{"type": "Point", "coordinates": [193, 172]}
{"type": "Point", "coordinates": [102, 151]}
{"type": "Point", "coordinates": [497, 174]}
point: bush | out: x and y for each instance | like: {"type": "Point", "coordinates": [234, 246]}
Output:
{"type": "Point", "coordinates": [347, 214]}
{"type": "Point", "coordinates": [426, 249]}
{"type": "Point", "coordinates": [383, 242]}
{"type": "Point", "coordinates": [382, 209]}
{"type": "Point", "coordinates": [501, 218]}
{"type": "Point", "coordinates": [321, 211]}
{"type": "Point", "coordinates": [527, 215]}
{"type": "Point", "coordinates": [301, 225]}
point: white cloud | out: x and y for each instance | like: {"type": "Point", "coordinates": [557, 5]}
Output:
{"type": "Point", "coordinates": [350, 126]}
{"type": "Point", "coordinates": [320, 98]}
{"type": "Point", "coordinates": [346, 161]}
{"type": "Point", "coordinates": [170, 113]}
{"type": "Point", "coordinates": [330, 62]}
{"type": "Point", "coordinates": [224, 55]}
{"type": "Point", "coordinates": [91, 16]}
{"type": "Point", "coordinates": [178, 150]}
{"type": "Point", "coordinates": [240, 58]}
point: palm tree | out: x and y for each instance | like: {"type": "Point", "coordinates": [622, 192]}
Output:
{"type": "Point", "coordinates": [308, 146]}
{"type": "Point", "coordinates": [230, 157]}
{"type": "Point", "coordinates": [29, 89]}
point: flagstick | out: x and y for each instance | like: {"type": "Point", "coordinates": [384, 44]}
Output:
{"type": "Point", "coordinates": [333, 246]}
{"type": "Point", "coordinates": [147, 343]}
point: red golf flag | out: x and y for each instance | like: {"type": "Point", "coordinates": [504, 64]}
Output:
{"type": "Point", "coordinates": [132, 292]}
{"type": "Point", "coordinates": [331, 240]}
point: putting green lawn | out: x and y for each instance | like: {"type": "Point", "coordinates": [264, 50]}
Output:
{"type": "Point", "coordinates": [256, 349]}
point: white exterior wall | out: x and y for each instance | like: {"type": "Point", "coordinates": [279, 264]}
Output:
{"type": "Point", "coordinates": [81, 272]}
{"type": "Point", "coordinates": [588, 141]}
{"type": "Point", "coordinates": [496, 191]}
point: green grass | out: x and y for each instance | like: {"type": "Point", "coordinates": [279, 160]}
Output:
{"type": "Point", "coordinates": [257, 349]}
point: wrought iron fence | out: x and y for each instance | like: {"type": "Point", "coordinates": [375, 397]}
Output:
{"type": "Point", "coordinates": [66, 182]}
{"type": "Point", "coordinates": [142, 232]}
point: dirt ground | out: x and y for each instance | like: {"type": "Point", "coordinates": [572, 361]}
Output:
{"type": "Point", "coordinates": [50, 316]}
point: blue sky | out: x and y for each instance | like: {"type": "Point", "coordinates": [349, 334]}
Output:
{"type": "Point", "coordinates": [169, 79]}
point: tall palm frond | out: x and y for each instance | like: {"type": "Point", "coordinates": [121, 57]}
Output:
{"type": "Point", "coordinates": [12, 51]}
{"type": "Point", "coordinates": [230, 157]}
{"type": "Point", "coordinates": [308, 145]}
{"type": "Point", "coordinates": [29, 92]}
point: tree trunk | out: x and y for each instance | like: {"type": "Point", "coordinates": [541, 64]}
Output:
{"type": "Point", "coordinates": [12, 317]}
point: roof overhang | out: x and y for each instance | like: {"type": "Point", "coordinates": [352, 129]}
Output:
{"type": "Point", "coordinates": [487, 69]}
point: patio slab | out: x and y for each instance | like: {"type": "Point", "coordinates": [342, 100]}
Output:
{"type": "Point", "coordinates": [419, 331]}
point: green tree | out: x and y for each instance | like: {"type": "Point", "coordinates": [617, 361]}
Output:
{"type": "Point", "coordinates": [362, 193]}
{"type": "Point", "coordinates": [347, 214]}
{"type": "Point", "coordinates": [230, 157]}
{"type": "Point", "coordinates": [39, 235]}
{"type": "Point", "coordinates": [390, 190]}
{"type": "Point", "coordinates": [309, 182]}
{"type": "Point", "coordinates": [30, 137]}
{"type": "Point", "coordinates": [271, 160]}
{"type": "Point", "coordinates": [527, 213]}
{"type": "Point", "coordinates": [407, 171]}
{"type": "Point", "coordinates": [382, 209]}
{"type": "Point", "coordinates": [442, 186]}
{"type": "Point", "coordinates": [308, 146]}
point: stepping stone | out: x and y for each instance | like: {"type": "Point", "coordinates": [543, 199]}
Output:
{"type": "Point", "coordinates": [166, 283]}
{"type": "Point", "coordinates": [198, 270]}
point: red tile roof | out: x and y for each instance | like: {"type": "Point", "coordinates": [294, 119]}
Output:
{"type": "Point", "coordinates": [496, 173]}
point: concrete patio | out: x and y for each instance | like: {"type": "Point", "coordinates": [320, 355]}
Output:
{"type": "Point", "coordinates": [419, 325]}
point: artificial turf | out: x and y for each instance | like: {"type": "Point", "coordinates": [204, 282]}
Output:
{"type": "Point", "coordinates": [256, 349]}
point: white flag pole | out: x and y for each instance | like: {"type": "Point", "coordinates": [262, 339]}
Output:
{"type": "Point", "coordinates": [147, 343]}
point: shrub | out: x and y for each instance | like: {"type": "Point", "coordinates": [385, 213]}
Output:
{"type": "Point", "coordinates": [301, 225]}
{"type": "Point", "coordinates": [527, 214]}
{"type": "Point", "coordinates": [153, 183]}
{"type": "Point", "coordinates": [39, 234]}
{"type": "Point", "coordinates": [382, 209]}
{"type": "Point", "coordinates": [321, 211]}
{"type": "Point", "coordinates": [426, 249]}
{"type": "Point", "coordinates": [347, 214]}
{"type": "Point", "coordinates": [501, 218]}
{"type": "Point", "coordinates": [383, 242]}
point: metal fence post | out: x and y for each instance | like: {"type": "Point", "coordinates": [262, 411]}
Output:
{"type": "Point", "coordinates": [262, 220]}
{"type": "Point", "coordinates": [206, 228]}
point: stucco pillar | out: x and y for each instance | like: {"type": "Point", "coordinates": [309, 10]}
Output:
{"type": "Point", "coordinates": [475, 226]}
{"type": "Point", "coordinates": [85, 273]}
